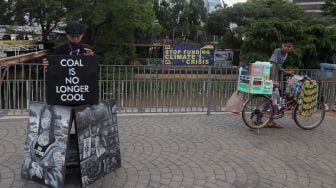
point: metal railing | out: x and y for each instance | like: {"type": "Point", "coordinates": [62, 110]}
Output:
{"type": "Point", "coordinates": [144, 89]}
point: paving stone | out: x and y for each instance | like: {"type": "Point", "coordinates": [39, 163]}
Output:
{"type": "Point", "coordinates": [197, 151]}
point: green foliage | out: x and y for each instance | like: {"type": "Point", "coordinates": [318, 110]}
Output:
{"type": "Point", "coordinates": [218, 23]}
{"type": "Point", "coordinates": [113, 25]}
{"type": "Point", "coordinates": [330, 7]}
{"type": "Point", "coordinates": [263, 24]}
{"type": "Point", "coordinates": [48, 13]}
{"type": "Point", "coordinates": [165, 16]}
{"type": "Point", "coordinates": [317, 45]}
{"type": "Point", "coordinates": [197, 15]}
{"type": "Point", "coordinates": [6, 12]}
{"type": "Point", "coordinates": [10, 15]}
{"type": "Point", "coordinates": [264, 35]}
{"type": "Point", "coordinates": [181, 20]}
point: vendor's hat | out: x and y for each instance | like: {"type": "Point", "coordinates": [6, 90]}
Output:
{"type": "Point", "coordinates": [74, 28]}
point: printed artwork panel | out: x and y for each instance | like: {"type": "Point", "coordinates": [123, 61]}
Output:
{"type": "Point", "coordinates": [45, 145]}
{"type": "Point", "coordinates": [72, 160]}
{"type": "Point", "coordinates": [98, 140]}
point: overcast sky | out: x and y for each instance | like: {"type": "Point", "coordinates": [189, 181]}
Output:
{"type": "Point", "coordinates": [231, 2]}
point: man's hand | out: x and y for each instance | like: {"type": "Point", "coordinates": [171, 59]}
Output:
{"type": "Point", "coordinates": [276, 84]}
{"type": "Point", "coordinates": [290, 72]}
{"type": "Point", "coordinates": [88, 51]}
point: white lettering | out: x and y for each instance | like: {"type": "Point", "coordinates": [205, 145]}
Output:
{"type": "Point", "coordinates": [71, 63]}
{"type": "Point", "coordinates": [63, 62]}
{"type": "Point", "coordinates": [72, 80]}
{"type": "Point", "coordinates": [75, 80]}
{"type": "Point", "coordinates": [72, 71]}
{"type": "Point", "coordinates": [71, 89]}
{"type": "Point", "coordinates": [72, 97]}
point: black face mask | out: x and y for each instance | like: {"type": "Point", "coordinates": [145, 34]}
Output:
{"type": "Point", "coordinates": [74, 49]}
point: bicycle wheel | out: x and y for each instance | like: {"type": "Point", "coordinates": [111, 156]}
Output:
{"type": "Point", "coordinates": [257, 111]}
{"type": "Point", "coordinates": [312, 121]}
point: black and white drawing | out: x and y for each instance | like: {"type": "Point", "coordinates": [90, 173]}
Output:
{"type": "Point", "coordinates": [223, 58]}
{"type": "Point", "coordinates": [72, 160]}
{"type": "Point", "coordinates": [45, 145]}
{"type": "Point", "coordinates": [98, 140]}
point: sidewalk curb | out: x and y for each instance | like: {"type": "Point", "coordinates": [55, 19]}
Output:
{"type": "Point", "coordinates": [135, 114]}
{"type": "Point", "coordinates": [328, 114]}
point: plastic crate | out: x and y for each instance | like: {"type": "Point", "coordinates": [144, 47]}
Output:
{"type": "Point", "coordinates": [268, 87]}
{"type": "Point", "coordinates": [244, 83]}
{"type": "Point", "coordinates": [255, 85]}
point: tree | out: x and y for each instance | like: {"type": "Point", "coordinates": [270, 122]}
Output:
{"type": "Point", "coordinates": [218, 27]}
{"type": "Point", "coordinates": [48, 14]}
{"type": "Point", "coordinates": [329, 7]}
{"type": "Point", "coordinates": [262, 25]}
{"type": "Point", "coordinates": [315, 45]}
{"type": "Point", "coordinates": [181, 19]}
{"type": "Point", "coordinates": [10, 15]}
{"type": "Point", "coordinates": [218, 23]}
{"type": "Point", "coordinates": [168, 16]}
{"type": "Point", "coordinates": [197, 17]}
{"type": "Point", "coordinates": [7, 12]}
{"type": "Point", "coordinates": [111, 25]}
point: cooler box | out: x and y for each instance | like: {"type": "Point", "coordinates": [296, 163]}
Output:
{"type": "Point", "coordinates": [261, 86]}
{"type": "Point", "coordinates": [255, 83]}
{"type": "Point", "coordinates": [266, 69]}
{"type": "Point", "coordinates": [244, 83]}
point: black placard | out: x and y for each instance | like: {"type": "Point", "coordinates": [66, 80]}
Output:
{"type": "Point", "coordinates": [72, 80]}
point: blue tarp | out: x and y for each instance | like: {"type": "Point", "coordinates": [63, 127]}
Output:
{"type": "Point", "coordinates": [327, 66]}
{"type": "Point", "coordinates": [327, 70]}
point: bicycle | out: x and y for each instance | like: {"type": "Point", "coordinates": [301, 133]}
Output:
{"type": "Point", "coordinates": [259, 109]}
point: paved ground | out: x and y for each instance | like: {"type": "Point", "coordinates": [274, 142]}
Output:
{"type": "Point", "coordinates": [200, 151]}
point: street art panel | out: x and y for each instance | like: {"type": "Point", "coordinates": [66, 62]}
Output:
{"type": "Point", "coordinates": [98, 140]}
{"type": "Point", "coordinates": [45, 145]}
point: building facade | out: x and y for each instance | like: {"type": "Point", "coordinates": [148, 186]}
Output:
{"type": "Point", "coordinates": [311, 6]}
{"type": "Point", "coordinates": [211, 5]}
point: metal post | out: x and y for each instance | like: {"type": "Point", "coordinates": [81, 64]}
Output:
{"type": "Point", "coordinates": [209, 90]}
{"type": "Point", "coordinates": [331, 99]}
